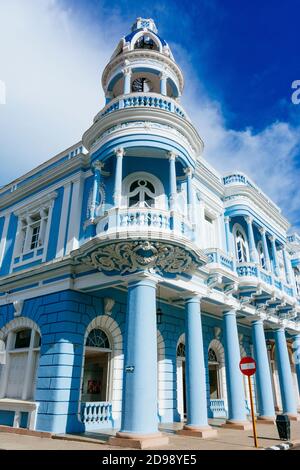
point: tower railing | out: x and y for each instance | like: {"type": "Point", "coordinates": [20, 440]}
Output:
{"type": "Point", "coordinates": [143, 100]}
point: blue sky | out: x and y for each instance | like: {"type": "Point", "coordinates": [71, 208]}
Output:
{"type": "Point", "coordinates": [239, 59]}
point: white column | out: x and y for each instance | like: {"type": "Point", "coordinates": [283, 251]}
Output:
{"type": "Point", "coordinates": [251, 241]}
{"type": "Point", "coordinates": [30, 364]}
{"type": "Point", "coordinates": [163, 83]}
{"type": "Point", "coordinates": [190, 195]}
{"type": "Point", "coordinates": [4, 378]}
{"type": "Point", "coordinates": [274, 252]}
{"type": "Point", "coordinates": [20, 236]}
{"type": "Point", "coordinates": [265, 248]}
{"type": "Point", "coordinates": [75, 214]}
{"type": "Point", "coordinates": [3, 238]}
{"type": "Point", "coordinates": [44, 218]}
{"type": "Point", "coordinates": [172, 181]}
{"type": "Point", "coordinates": [119, 153]}
{"type": "Point", "coordinates": [63, 221]}
{"type": "Point", "coordinates": [127, 80]}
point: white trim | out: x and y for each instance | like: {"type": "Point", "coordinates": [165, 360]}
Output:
{"type": "Point", "coordinates": [145, 33]}
{"type": "Point", "coordinates": [4, 238]}
{"type": "Point", "coordinates": [115, 374]}
{"type": "Point", "coordinates": [63, 221]}
{"type": "Point", "coordinates": [218, 348]}
{"type": "Point", "coordinates": [8, 331]}
{"type": "Point", "coordinates": [75, 215]}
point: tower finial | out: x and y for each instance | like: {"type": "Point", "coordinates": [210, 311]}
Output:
{"type": "Point", "coordinates": [141, 23]}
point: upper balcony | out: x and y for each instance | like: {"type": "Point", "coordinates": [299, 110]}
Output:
{"type": "Point", "coordinates": [157, 223]}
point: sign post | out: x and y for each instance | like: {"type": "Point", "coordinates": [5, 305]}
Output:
{"type": "Point", "coordinates": [248, 368]}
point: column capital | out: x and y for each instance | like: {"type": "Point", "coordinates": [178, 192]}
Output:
{"type": "Point", "coordinates": [127, 70]}
{"type": "Point", "coordinates": [172, 155]}
{"type": "Point", "coordinates": [188, 171]}
{"type": "Point", "coordinates": [119, 152]}
{"type": "Point", "coordinates": [98, 165]}
{"type": "Point", "coordinates": [227, 219]}
{"type": "Point", "coordinates": [248, 219]}
{"type": "Point", "coordinates": [262, 230]}
{"type": "Point", "coordinates": [272, 238]}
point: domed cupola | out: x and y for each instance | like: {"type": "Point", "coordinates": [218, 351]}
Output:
{"type": "Point", "coordinates": [142, 62]}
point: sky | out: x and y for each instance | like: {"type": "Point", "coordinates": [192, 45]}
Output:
{"type": "Point", "coordinates": [239, 59]}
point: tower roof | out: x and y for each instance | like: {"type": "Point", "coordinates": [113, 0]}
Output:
{"type": "Point", "coordinates": [144, 24]}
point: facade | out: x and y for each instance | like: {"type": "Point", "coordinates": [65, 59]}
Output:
{"type": "Point", "coordinates": [133, 276]}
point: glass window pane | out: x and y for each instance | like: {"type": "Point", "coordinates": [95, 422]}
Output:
{"type": "Point", "coordinates": [22, 339]}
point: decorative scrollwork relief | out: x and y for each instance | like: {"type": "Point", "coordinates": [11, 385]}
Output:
{"type": "Point", "coordinates": [131, 256]}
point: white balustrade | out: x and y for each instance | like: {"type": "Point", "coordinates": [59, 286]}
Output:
{"type": "Point", "coordinates": [96, 414]}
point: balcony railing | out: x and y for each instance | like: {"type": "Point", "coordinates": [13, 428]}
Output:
{"type": "Point", "coordinates": [145, 219]}
{"type": "Point", "coordinates": [97, 414]}
{"type": "Point", "coordinates": [253, 270]}
{"type": "Point", "coordinates": [142, 100]}
{"type": "Point", "coordinates": [217, 407]}
{"type": "Point", "coordinates": [215, 255]}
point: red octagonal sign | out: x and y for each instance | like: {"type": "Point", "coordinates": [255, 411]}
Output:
{"type": "Point", "coordinates": [248, 366]}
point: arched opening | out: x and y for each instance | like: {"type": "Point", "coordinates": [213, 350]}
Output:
{"type": "Point", "coordinates": [181, 388]}
{"type": "Point", "coordinates": [96, 372]}
{"type": "Point", "coordinates": [22, 350]}
{"type": "Point", "coordinates": [217, 379]}
{"type": "Point", "coordinates": [146, 41]}
{"type": "Point", "coordinates": [241, 245]}
{"type": "Point", "coordinates": [143, 190]}
{"type": "Point", "coordinates": [214, 375]}
{"type": "Point", "coordinates": [261, 255]}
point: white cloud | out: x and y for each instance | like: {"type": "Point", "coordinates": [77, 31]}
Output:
{"type": "Point", "coordinates": [51, 62]}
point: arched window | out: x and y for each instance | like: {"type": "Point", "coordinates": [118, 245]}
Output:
{"type": "Point", "coordinates": [261, 255]}
{"type": "Point", "coordinates": [141, 194]}
{"type": "Point", "coordinates": [18, 376]}
{"type": "Point", "coordinates": [97, 339]}
{"type": "Point", "coordinates": [241, 245]}
{"type": "Point", "coordinates": [214, 372]}
{"type": "Point", "coordinates": [95, 383]}
{"type": "Point", "coordinates": [146, 42]}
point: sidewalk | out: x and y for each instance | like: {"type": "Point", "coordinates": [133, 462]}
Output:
{"type": "Point", "coordinates": [227, 439]}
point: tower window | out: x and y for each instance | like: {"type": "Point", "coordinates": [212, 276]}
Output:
{"type": "Point", "coordinates": [35, 236]}
{"type": "Point", "coordinates": [141, 84]}
{"type": "Point", "coordinates": [145, 42]}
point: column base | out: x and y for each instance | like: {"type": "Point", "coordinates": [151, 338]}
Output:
{"type": "Point", "coordinates": [138, 441]}
{"type": "Point", "coordinates": [239, 425]}
{"type": "Point", "coordinates": [204, 432]}
{"type": "Point", "coordinates": [266, 419]}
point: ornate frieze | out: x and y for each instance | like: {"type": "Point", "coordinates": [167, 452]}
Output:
{"type": "Point", "coordinates": [127, 257]}
{"type": "Point", "coordinates": [142, 125]}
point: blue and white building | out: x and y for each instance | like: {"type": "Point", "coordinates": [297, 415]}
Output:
{"type": "Point", "coordinates": [134, 276]}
